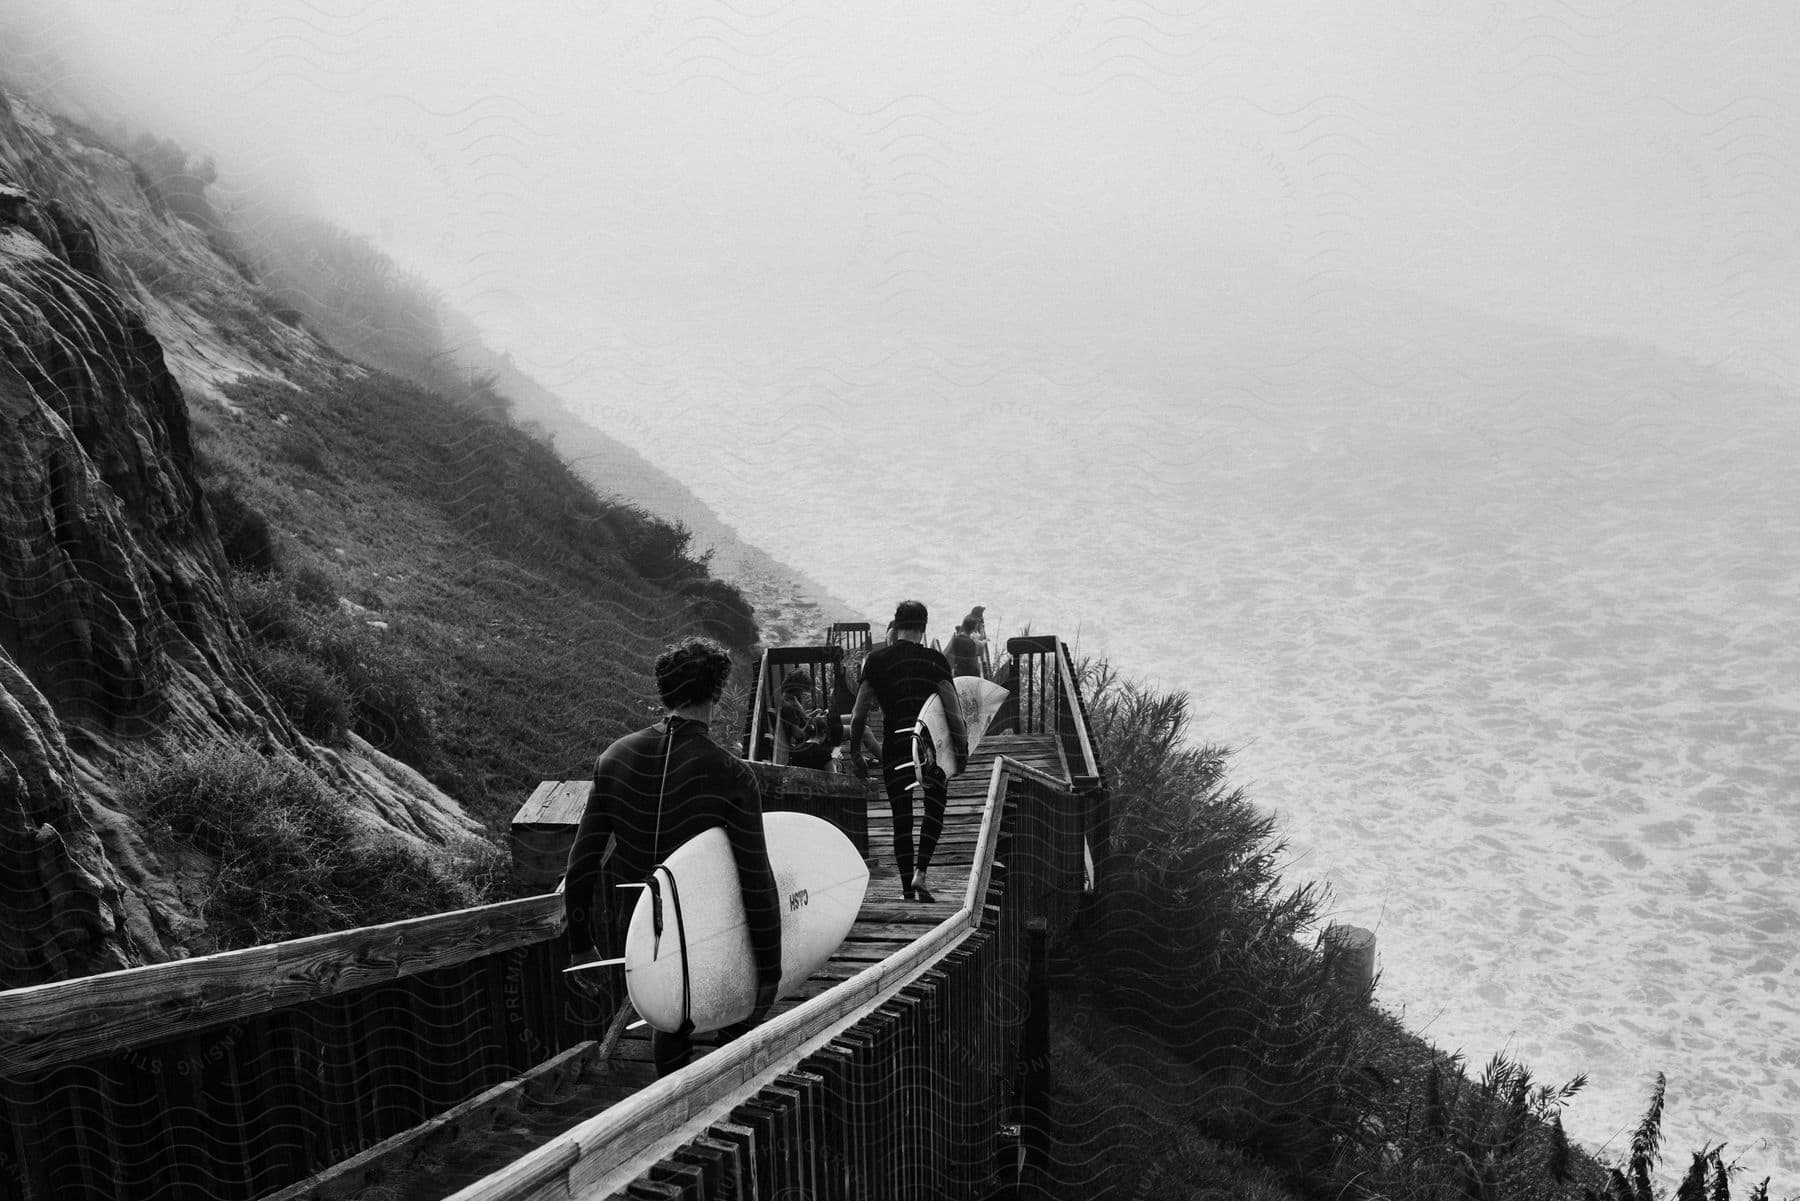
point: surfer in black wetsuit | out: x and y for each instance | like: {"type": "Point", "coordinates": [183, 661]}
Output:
{"type": "Point", "coordinates": [900, 677]}
{"type": "Point", "coordinates": [963, 651]}
{"type": "Point", "coordinates": [653, 791]}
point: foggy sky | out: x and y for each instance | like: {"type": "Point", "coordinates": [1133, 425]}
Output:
{"type": "Point", "coordinates": [781, 173]}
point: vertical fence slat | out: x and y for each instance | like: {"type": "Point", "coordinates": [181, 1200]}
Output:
{"type": "Point", "coordinates": [747, 1168]}
{"type": "Point", "coordinates": [906, 1091]}
{"type": "Point", "coordinates": [270, 1061]}
{"type": "Point", "coordinates": [689, 1179]}
{"type": "Point", "coordinates": [503, 1050]}
{"type": "Point", "coordinates": [733, 1183]}
{"type": "Point", "coordinates": [761, 1123]}
{"type": "Point", "coordinates": [785, 1105]}
{"type": "Point", "coordinates": [710, 1162]}
{"type": "Point", "coordinates": [861, 1111]}
{"type": "Point", "coordinates": [811, 1088]}
{"type": "Point", "coordinates": [69, 1105]}
{"type": "Point", "coordinates": [25, 1114]}
{"type": "Point", "coordinates": [232, 1112]}
{"type": "Point", "coordinates": [829, 1064]}
{"type": "Point", "coordinates": [173, 1175]}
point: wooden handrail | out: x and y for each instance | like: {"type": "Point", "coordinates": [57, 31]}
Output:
{"type": "Point", "coordinates": [759, 705]}
{"type": "Point", "coordinates": [1077, 710]}
{"type": "Point", "coordinates": [47, 1024]}
{"type": "Point", "coordinates": [600, 1155]}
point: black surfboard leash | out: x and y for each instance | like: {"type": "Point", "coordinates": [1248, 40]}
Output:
{"type": "Point", "coordinates": [687, 997]}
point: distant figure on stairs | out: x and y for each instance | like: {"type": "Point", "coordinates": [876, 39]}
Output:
{"type": "Point", "coordinates": [653, 791]}
{"type": "Point", "coordinates": [964, 652]}
{"type": "Point", "coordinates": [811, 734]}
{"type": "Point", "coordinates": [900, 678]}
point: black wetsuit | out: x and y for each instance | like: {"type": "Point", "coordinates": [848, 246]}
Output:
{"type": "Point", "coordinates": [964, 654]}
{"type": "Point", "coordinates": [705, 786]}
{"type": "Point", "coordinates": [904, 676]}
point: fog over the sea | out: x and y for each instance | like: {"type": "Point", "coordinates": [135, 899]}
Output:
{"type": "Point", "coordinates": [1414, 382]}
{"type": "Point", "coordinates": [1600, 166]}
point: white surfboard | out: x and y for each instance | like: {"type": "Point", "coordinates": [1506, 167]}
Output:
{"type": "Point", "coordinates": [931, 743]}
{"type": "Point", "coordinates": [820, 879]}
{"type": "Point", "coordinates": [979, 700]}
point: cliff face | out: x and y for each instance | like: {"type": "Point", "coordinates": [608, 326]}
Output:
{"type": "Point", "coordinates": [117, 631]}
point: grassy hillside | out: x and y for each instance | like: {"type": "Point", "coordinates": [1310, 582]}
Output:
{"type": "Point", "coordinates": [413, 572]}
{"type": "Point", "coordinates": [513, 611]}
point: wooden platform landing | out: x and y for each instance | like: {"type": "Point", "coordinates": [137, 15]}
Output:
{"type": "Point", "coordinates": [887, 923]}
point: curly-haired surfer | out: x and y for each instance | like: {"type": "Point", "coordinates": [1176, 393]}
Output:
{"type": "Point", "coordinates": [653, 791]}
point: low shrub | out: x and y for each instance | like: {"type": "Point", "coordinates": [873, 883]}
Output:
{"type": "Point", "coordinates": [314, 586]}
{"type": "Point", "coordinates": [288, 858]}
{"type": "Point", "coordinates": [717, 609]}
{"type": "Point", "coordinates": [388, 873]}
{"type": "Point", "coordinates": [1496, 1136]}
{"type": "Point", "coordinates": [386, 707]}
{"type": "Point", "coordinates": [269, 608]}
{"type": "Point", "coordinates": [658, 549]}
{"type": "Point", "coordinates": [376, 683]}
{"type": "Point", "coordinates": [275, 835]}
{"type": "Point", "coordinates": [313, 696]}
{"type": "Point", "coordinates": [244, 533]}
{"type": "Point", "coordinates": [304, 450]}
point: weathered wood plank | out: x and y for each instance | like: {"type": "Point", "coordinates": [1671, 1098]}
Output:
{"type": "Point", "coordinates": [567, 802]}
{"type": "Point", "coordinates": [78, 1019]}
{"type": "Point", "coordinates": [900, 931]}
{"type": "Point", "coordinates": [534, 804]}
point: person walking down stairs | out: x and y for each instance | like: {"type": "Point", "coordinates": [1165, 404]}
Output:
{"type": "Point", "coordinates": [900, 678]}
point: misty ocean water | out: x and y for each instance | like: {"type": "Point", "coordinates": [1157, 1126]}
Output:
{"type": "Point", "coordinates": [1513, 649]}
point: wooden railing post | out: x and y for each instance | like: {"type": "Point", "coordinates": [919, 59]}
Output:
{"type": "Point", "coordinates": [756, 708]}
{"type": "Point", "coordinates": [1034, 1054]}
{"type": "Point", "coordinates": [1006, 719]}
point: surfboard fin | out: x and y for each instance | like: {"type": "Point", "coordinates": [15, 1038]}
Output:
{"type": "Point", "coordinates": [631, 886]}
{"type": "Point", "coordinates": [582, 967]}
{"type": "Point", "coordinates": [636, 1024]}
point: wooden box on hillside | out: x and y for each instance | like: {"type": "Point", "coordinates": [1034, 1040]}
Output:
{"type": "Point", "coordinates": [543, 830]}
{"type": "Point", "coordinates": [841, 800]}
